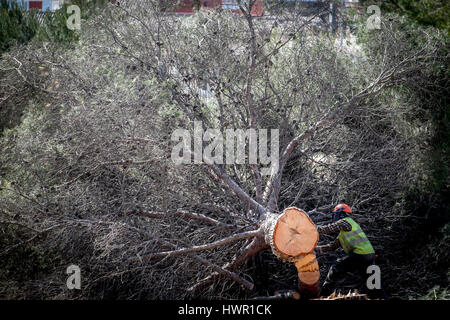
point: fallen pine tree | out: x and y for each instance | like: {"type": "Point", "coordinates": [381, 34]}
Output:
{"type": "Point", "coordinates": [98, 156]}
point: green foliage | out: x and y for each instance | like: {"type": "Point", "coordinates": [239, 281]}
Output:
{"type": "Point", "coordinates": [19, 27]}
{"type": "Point", "coordinates": [15, 26]}
{"type": "Point", "coordinates": [427, 12]}
{"type": "Point", "coordinates": [430, 187]}
{"type": "Point", "coordinates": [426, 194]}
{"type": "Point", "coordinates": [54, 28]}
{"type": "Point", "coordinates": [26, 260]}
{"type": "Point", "coordinates": [435, 13]}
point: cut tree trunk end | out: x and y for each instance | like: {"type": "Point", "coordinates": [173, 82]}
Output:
{"type": "Point", "coordinates": [308, 274]}
{"type": "Point", "coordinates": [292, 237]}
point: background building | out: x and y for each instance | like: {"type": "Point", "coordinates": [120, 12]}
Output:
{"type": "Point", "coordinates": [42, 5]}
{"type": "Point", "coordinates": [188, 6]}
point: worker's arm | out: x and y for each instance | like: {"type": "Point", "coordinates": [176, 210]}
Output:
{"type": "Point", "coordinates": [337, 226]}
{"type": "Point", "coordinates": [328, 247]}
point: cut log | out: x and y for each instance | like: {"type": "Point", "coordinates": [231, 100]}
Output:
{"type": "Point", "coordinates": [292, 237]}
{"type": "Point", "coordinates": [295, 233]}
{"type": "Point", "coordinates": [308, 274]}
{"type": "Point", "coordinates": [291, 234]}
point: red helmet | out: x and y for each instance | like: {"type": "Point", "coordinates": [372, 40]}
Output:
{"type": "Point", "coordinates": [342, 207]}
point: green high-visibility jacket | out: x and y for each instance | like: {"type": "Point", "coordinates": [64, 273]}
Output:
{"type": "Point", "coordinates": [355, 240]}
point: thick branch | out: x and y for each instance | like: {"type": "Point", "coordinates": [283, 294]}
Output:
{"type": "Point", "coordinates": [253, 247]}
{"type": "Point", "coordinates": [241, 194]}
{"type": "Point", "coordinates": [209, 246]}
{"type": "Point", "coordinates": [216, 268]}
{"type": "Point", "coordinates": [223, 272]}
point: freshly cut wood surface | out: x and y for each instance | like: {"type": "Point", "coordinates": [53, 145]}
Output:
{"type": "Point", "coordinates": [308, 269]}
{"type": "Point", "coordinates": [309, 277]}
{"type": "Point", "coordinates": [295, 233]}
{"type": "Point", "coordinates": [308, 274]}
{"type": "Point", "coordinates": [307, 262]}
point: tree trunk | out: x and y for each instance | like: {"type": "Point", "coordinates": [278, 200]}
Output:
{"type": "Point", "coordinates": [292, 236]}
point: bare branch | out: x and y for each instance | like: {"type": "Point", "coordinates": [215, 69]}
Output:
{"type": "Point", "coordinates": [185, 214]}
{"type": "Point", "coordinates": [209, 246]}
{"type": "Point", "coordinates": [252, 247]}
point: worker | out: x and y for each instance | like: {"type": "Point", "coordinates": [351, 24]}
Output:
{"type": "Point", "coordinates": [360, 253]}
